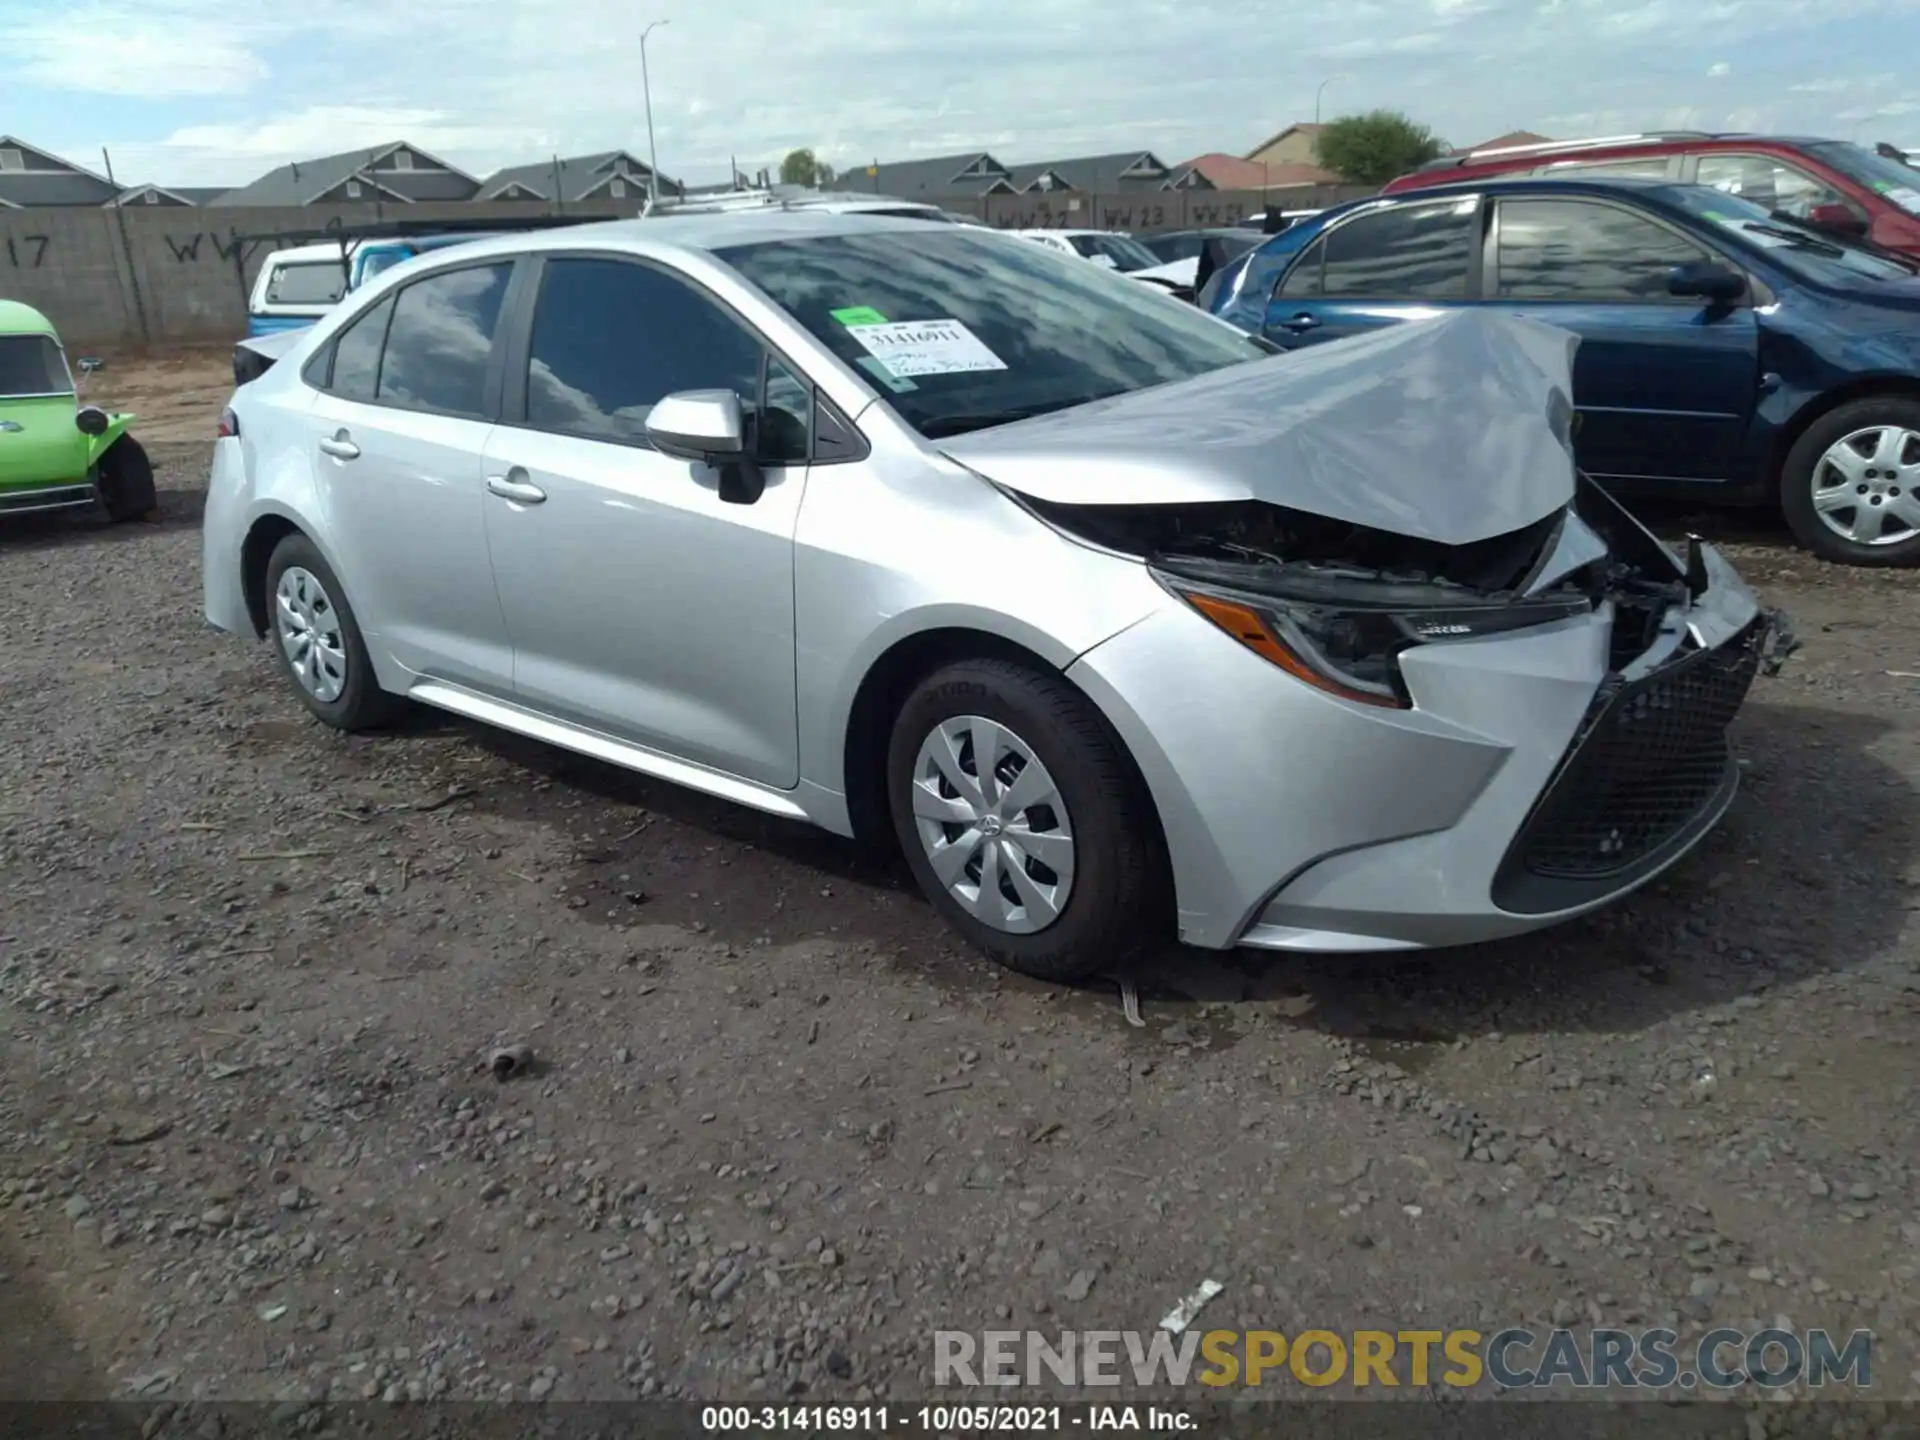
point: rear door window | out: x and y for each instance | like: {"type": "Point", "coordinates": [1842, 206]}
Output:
{"type": "Point", "coordinates": [1651, 167]}
{"type": "Point", "coordinates": [441, 340]}
{"type": "Point", "coordinates": [1408, 252]}
{"type": "Point", "coordinates": [1580, 250]}
{"type": "Point", "coordinates": [356, 354]}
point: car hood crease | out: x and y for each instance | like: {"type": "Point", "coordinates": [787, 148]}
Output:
{"type": "Point", "coordinates": [1451, 429]}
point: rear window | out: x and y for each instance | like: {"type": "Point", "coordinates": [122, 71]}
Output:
{"type": "Point", "coordinates": [32, 365]}
{"type": "Point", "coordinates": [308, 282]}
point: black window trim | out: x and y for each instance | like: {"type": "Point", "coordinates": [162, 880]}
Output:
{"type": "Point", "coordinates": [1317, 248]}
{"type": "Point", "coordinates": [516, 355]}
{"type": "Point", "coordinates": [1490, 252]}
{"type": "Point", "coordinates": [491, 383]}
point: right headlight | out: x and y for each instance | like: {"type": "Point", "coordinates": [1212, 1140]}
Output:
{"type": "Point", "coordinates": [1343, 632]}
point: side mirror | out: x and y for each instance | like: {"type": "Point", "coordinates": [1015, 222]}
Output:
{"type": "Point", "coordinates": [91, 419]}
{"type": "Point", "coordinates": [1707, 281]}
{"type": "Point", "coordinates": [709, 427]}
{"type": "Point", "coordinates": [1842, 219]}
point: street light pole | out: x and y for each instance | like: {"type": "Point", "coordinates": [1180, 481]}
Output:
{"type": "Point", "coordinates": [646, 90]}
{"type": "Point", "coordinates": [1316, 94]}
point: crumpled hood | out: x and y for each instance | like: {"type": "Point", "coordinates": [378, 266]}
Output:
{"type": "Point", "coordinates": [1451, 429]}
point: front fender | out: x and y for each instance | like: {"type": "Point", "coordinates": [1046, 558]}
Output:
{"type": "Point", "coordinates": [98, 445]}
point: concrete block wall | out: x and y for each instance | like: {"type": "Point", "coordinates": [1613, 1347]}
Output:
{"type": "Point", "coordinates": [171, 275]}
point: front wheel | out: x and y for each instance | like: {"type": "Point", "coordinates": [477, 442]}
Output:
{"type": "Point", "coordinates": [125, 477]}
{"type": "Point", "coordinates": [1851, 485]}
{"type": "Point", "coordinates": [1023, 821]}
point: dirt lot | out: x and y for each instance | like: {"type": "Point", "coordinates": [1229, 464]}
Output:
{"type": "Point", "coordinates": [783, 1128]}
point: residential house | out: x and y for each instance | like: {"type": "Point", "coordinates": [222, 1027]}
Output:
{"type": "Point", "coordinates": [1295, 145]}
{"type": "Point", "coordinates": [392, 174]}
{"type": "Point", "coordinates": [31, 177]}
{"type": "Point", "coordinates": [981, 173]}
{"type": "Point", "coordinates": [609, 175]}
{"type": "Point", "coordinates": [170, 195]}
{"type": "Point", "coordinates": [1232, 172]}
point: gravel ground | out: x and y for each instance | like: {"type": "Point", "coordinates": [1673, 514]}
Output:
{"type": "Point", "coordinates": [781, 1127]}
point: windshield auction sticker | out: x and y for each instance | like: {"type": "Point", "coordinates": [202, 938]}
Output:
{"type": "Point", "coordinates": [925, 347]}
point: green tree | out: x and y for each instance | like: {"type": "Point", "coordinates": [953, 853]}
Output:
{"type": "Point", "coordinates": [803, 167]}
{"type": "Point", "coordinates": [1373, 148]}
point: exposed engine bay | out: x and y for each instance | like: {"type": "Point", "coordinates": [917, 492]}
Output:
{"type": "Point", "coordinates": [1566, 563]}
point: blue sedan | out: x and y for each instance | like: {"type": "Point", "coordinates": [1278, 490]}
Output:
{"type": "Point", "coordinates": [1725, 354]}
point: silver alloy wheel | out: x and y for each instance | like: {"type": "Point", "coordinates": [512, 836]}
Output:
{"type": "Point", "coordinates": [1868, 479]}
{"type": "Point", "coordinates": [309, 630]}
{"type": "Point", "coordinates": [993, 824]}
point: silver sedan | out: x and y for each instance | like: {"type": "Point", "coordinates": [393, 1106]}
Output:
{"type": "Point", "coordinates": [1118, 624]}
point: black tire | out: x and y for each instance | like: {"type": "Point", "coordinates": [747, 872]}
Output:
{"type": "Point", "coordinates": [1115, 905]}
{"type": "Point", "coordinates": [125, 478]}
{"type": "Point", "coordinates": [1797, 477]}
{"type": "Point", "coordinates": [361, 703]}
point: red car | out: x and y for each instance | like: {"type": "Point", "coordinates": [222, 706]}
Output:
{"type": "Point", "coordinates": [1830, 183]}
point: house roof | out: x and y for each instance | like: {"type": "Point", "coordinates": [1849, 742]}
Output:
{"type": "Point", "coordinates": [185, 194]}
{"type": "Point", "coordinates": [1512, 137]}
{"type": "Point", "coordinates": [1310, 129]}
{"type": "Point", "coordinates": [53, 180]}
{"type": "Point", "coordinates": [1097, 173]}
{"type": "Point", "coordinates": [1230, 172]}
{"type": "Point", "coordinates": [301, 182]}
{"type": "Point", "coordinates": [580, 176]}
{"type": "Point", "coordinates": [938, 175]}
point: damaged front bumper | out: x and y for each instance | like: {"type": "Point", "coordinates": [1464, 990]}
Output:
{"type": "Point", "coordinates": [1536, 775]}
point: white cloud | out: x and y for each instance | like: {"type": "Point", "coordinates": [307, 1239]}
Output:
{"type": "Point", "coordinates": [234, 89]}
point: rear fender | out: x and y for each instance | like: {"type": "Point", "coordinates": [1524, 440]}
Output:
{"type": "Point", "coordinates": [98, 445]}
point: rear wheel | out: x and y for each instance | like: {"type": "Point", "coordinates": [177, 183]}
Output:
{"type": "Point", "coordinates": [1851, 485]}
{"type": "Point", "coordinates": [317, 641]}
{"type": "Point", "coordinates": [1023, 821]}
{"type": "Point", "coordinates": [125, 478]}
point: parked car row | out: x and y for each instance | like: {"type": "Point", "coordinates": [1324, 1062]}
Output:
{"type": "Point", "coordinates": [1727, 352]}
{"type": "Point", "coordinates": [1116, 622]}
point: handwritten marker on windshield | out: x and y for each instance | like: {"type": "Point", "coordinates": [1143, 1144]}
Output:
{"type": "Point", "coordinates": [1182, 1315]}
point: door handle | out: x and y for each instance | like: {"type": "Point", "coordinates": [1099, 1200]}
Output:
{"type": "Point", "coordinates": [1300, 322]}
{"type": "Point", "coordinates": [522, 491]}
{"type": "Point", "coordinates": [340, 446]}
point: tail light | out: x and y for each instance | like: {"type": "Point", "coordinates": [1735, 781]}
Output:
{"type": "Point", "coordinates": [229, 425]}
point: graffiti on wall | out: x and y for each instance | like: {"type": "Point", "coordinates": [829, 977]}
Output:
{"type": "Point", "coordinates": [26, 252]}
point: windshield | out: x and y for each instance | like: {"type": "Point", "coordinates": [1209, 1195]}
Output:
{"type": "Point", "coordinates": [32, 365]}
{"type": "Point", "coordinates": [962, 329]}
{"type": "Point", "coordinates": [1817, 255]}
{"type": "Point", "coordinates": [1124, 251]}
{"type": "Point", "coordinates": [1892, 181]}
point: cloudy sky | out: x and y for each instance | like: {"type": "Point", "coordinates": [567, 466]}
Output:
{"type": "Point", "coordinates": [214, 91]}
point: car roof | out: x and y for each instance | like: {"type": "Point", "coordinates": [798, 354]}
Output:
{"type": "Point", "coordinates": [19, 318]}
{"type": "Point", "coordinates": [703, 233]}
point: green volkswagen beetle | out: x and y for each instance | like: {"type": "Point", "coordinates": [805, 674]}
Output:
{"type": "Point", "coordinates": [56, 453]}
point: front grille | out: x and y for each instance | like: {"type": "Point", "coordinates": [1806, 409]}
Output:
{"type": "Point", "coordinates": [1644, 771]}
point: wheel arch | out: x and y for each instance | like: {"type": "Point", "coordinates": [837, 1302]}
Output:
{"type": "Point", "coordinates": [891, 678]}
{"type": "Point", "coordinates": [264, 533]}
{"type": "Point", "coordinates": [1866, 387]}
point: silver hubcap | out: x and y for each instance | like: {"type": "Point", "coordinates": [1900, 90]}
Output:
{"type": "Point", "coordinates": [993, 825]}
{"type": "Point", "coordinates": [309, 629]}
{"type": "Point", "coordinates": [1864, 488]}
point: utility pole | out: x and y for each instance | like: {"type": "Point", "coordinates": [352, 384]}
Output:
{"type": "Point", "coordinates": [646, 90]}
